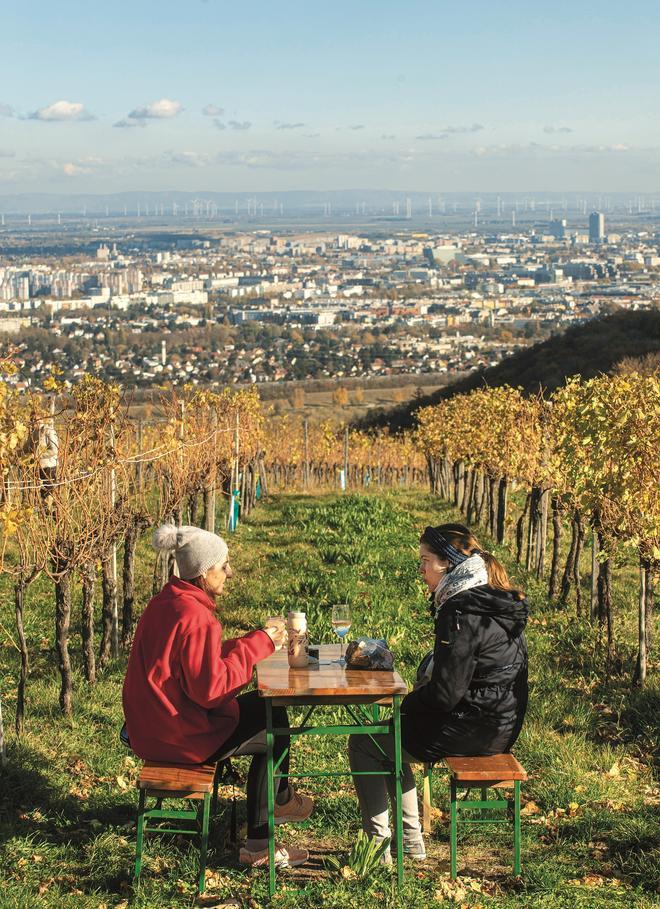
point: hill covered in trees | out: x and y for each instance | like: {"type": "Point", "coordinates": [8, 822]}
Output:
{"type": "Point", "coordinates": [590, 349]}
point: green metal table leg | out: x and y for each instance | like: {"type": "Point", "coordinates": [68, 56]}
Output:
{"type": "Point", "coordinates": [270, 789]}
{"type": "Point", "coordinates": [216, 783]}
{"type": "Point", "coordinates": [453, 822]}
{"type": "Point", "coordinates": [516, 827]}
{"type": "Point", "coordinates": [206, 812]}
{"type": "Point", "coordinates": [140, 834]}
{"type": "Point", "coordinates": [398, 771]}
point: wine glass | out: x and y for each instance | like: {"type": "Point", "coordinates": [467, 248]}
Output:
{"type": "Point", "coordinates": [341, 622]}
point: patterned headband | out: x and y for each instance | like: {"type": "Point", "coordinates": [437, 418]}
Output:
{"type": "Point", "coordinates": [443, 547]}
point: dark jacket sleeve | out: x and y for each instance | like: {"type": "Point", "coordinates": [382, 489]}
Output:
{"type": "Point", "coordinates": [454, 660]}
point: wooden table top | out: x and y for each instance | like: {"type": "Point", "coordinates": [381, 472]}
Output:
{"type": "Point", "coordinates": [276, 679]}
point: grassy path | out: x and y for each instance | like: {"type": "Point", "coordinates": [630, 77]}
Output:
{"type": "Point", "coordinates": [67, 800]}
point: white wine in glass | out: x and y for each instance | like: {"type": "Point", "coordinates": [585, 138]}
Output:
{"type": "Point", "coordinates": [341, 623]}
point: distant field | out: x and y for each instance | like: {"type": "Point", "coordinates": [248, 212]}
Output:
{"type": "Point", "coordinates": [318, 405]}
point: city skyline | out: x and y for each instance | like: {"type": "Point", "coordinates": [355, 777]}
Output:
{"type": "Point", "coordinates": [155, 97]}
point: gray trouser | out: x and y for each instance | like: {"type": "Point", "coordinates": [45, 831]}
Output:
{"type": "Point", "coordinates": [372, 791]}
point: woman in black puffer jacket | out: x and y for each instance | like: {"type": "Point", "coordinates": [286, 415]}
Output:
{"type": "Point", "coordinates": [470, 695]}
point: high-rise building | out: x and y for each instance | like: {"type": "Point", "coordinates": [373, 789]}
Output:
{"type": "Point", "coordinates": [558, 228]}
{"type": "Point", "coordinates": [596, 227]}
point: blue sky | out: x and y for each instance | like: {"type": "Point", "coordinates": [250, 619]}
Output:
{"type": "Point", "coordinates": [484, 96]}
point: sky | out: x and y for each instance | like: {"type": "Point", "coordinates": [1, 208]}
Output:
{"type": "Point", "coordinates": [483, 96]}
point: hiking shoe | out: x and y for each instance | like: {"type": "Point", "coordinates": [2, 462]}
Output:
{"type": "Point", "coordinates": [414, 849]}
{"type": "Point", "coordinates": [297, 809]}
{"type": "Point", "coordinates": [285, 857]}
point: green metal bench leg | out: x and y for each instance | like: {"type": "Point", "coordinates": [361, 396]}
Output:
{"type": "Point", "coordinates": [484, 798]}
{"type": "Point", "coordinates": [216, 783]}
{"type": "Point", "coordinates": [453, 823]}
{"type": "Point", "coordinates": [270, 791]}
{"type": "Point", "coordinates": [140, 835]}
{"type": "Point", "coordinates": [206, 811]}
{"type": "Point", "coordinates": [516, 827]}
{"type": "Point", "coordinates": [398, 772]}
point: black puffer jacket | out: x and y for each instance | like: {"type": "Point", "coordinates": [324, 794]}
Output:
{"type": "Point", "coordinates": [476, 698]}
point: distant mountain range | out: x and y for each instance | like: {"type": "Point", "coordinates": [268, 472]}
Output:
{"type": "Point", "coordinates": [589, 349]}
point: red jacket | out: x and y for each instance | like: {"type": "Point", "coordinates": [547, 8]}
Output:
{"type": "Point", "coordinates": [181, 682]}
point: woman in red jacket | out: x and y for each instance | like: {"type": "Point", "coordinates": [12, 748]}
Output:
{"type": "Point", "coordinates": [181, 692]}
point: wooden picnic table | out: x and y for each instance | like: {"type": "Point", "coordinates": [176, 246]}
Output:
{"type": "Point", "coordinates": [329, 683]}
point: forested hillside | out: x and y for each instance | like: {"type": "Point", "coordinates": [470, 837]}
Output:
{"type": "Point", "coordinates": [589, 349]}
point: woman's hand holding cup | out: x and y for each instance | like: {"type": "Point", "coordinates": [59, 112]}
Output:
{"type": "Point", "coordinates": [275, 628]}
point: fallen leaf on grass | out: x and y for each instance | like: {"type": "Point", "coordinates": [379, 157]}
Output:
{"type": "Point", "coordinates": [450, 890]}
{"type": "Point", "coordinates": [597, 880]}
{"type": "Point", "coordinates": [347, 873]}
{"type": "Point", "coordinates": [598, 849]}
{"type": "Point", "coordinates": [214, 879]}
{"type": "Point", "coordinates": [217, 902]}
{"type": "Point", "coordinates": [652, 795]}
{"type": "Point", "coordinates": [530, 808]}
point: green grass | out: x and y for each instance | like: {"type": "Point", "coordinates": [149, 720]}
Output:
{"type": "Point", "coordinates": [67, 800]}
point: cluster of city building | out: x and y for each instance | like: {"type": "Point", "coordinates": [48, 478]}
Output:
{"type": "Point", "coordinates": [259, 306]}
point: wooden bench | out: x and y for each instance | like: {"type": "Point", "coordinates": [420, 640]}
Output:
{"type": "Point", "coordinates": [192, 782]}
{"type": "Point", "coordinates": [484, 773]}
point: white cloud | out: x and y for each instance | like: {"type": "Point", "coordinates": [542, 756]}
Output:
{"type": "Point", "coordinates": [457, 130]}
{"type": "Point", "coordinates": [189, 158]}
{"type": "Point", "coordinates": [6, 110]}
{"type": "Point", "coordinates": [73, 170]}
{"type": "Point", "coordinates": [163, 109]}
{"type": "Point", "coordinates": [82, 167]}
{"type": "Point", "coordinates": [557, 129]}
{"type": "Point", "coordinates": [538, 149]}
{"type": "Point", "coordinates": [239, 124]}
{"type": "Point", "coordinates": [219, 124]}
{"type": "Point", "coordinates": [61, 111]}
{"type": "Point", "coordinates": [212, 110]}
{"type": "Point", "coordinates": [431, 136]}
{"type": "Point", "coordinates": [279, 125]}
{"type": "Point", "coordinates": [129, 124]}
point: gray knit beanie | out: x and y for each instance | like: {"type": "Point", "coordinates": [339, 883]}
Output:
{"type": "Point", "coordinates": [195, 550]}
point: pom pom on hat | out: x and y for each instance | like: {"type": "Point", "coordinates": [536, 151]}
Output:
{"type": "Point", "coordinates": [165, 538]}
{"type": "Point", "coordinates": [195, 550]}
